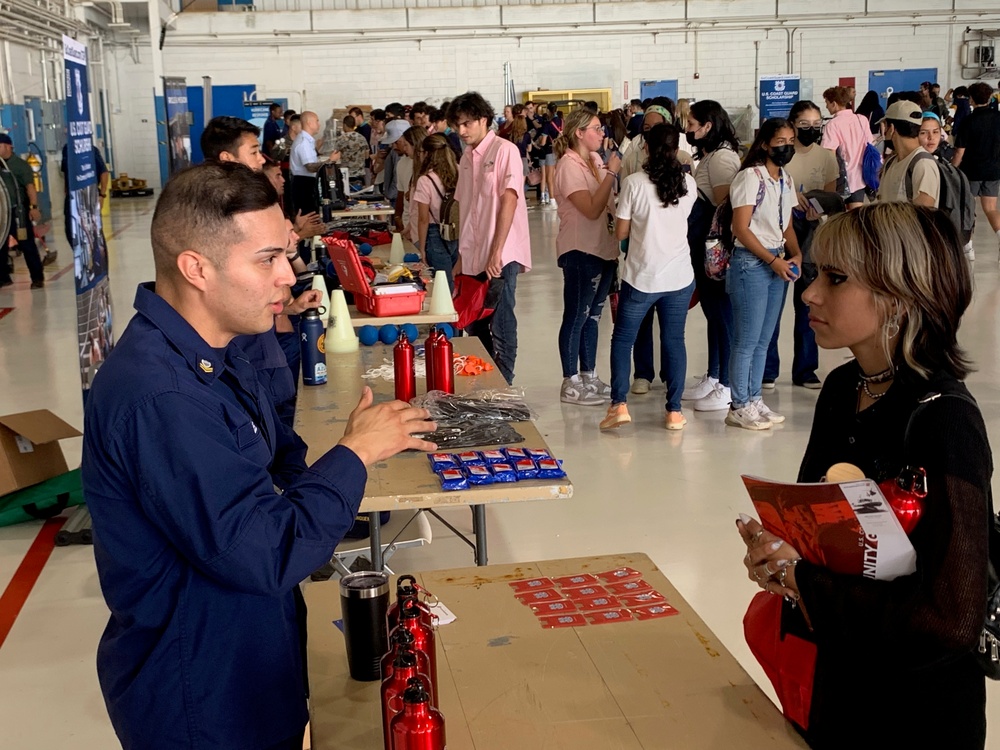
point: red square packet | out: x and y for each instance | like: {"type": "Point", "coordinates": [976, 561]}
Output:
{"type": "Point", "coordinates": [568, 620]}
{"type": "Point", "coordinates": [531, 584]}
{"type": "Point", "coordinates": [654, 611]}
{"type": "Point", "coordinates": [605, 601]}
{"type": "Point", "coordinates": [573, 582]}
{"type": "Point", "coordinates": [553, 608]}
{"type": "Point", "coordinates": [632, 586]}
{"type": "Point", "coordinates": [609, 615]}
{"type": "Point", "coordinates": [547, 595]}
{"type": "Point", "coordinates": [584, 592]}
{"type": "Point", "coordinates": [641, 599]}
{"type": "Point", "coordinates": [619, 574]}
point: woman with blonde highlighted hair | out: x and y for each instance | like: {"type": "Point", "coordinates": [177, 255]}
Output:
{"type": "Point", "coordinates": [892, 287]}
{"type": "Point", "coordinates": [586, 250]}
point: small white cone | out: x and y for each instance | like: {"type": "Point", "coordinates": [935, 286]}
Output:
{"type": "Point", "coordinates": [319, 282]}
{"type": "Point", "coordinates": [396, 251]}
{"type": "Point", "coordinates": [340, 336]}
{"type": "Point", "coordinates": [441, 302]}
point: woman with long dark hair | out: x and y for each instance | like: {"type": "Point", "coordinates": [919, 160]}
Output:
{"type": "Point", "coordinates": [871, 108]}
{"type": "Point", "coordinates": [713, 137]}
{"type": "Point", "coordinates": [766, 257]}
{"type": "Point", "coordinates": [653, 209]}
{"type": "Point", "coordinates": [437, 177]}
{"type": "Point", "coordinates": [892, 288]}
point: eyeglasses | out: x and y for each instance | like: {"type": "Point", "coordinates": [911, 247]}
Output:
{"type": "Point", "coordinates": [808, 126]}
{"type": "Point", "coordinates": [594, 128]}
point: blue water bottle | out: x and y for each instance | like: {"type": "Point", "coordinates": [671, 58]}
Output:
{"type": "Point", "coordinates": [312, 333]}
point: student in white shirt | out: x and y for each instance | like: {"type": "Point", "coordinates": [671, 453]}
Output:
{"type": "Point", "coordinates": [762, 197]}
{"type": "Point", "coordinates": [653, 210]}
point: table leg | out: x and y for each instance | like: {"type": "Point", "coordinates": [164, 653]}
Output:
{"type": "Point", "coordinates": [479, 529]}
{"type": "Point", "coordinates": [376, 541]}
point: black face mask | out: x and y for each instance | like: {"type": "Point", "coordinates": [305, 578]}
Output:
{"type": "Point", "coordinates": [809, 136]}
{"type": "Point", "coordinates": [691, 138]}
{"type": "Point", "coordinates": [781, 155]}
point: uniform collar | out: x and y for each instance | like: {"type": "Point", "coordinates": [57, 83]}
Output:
{"type": "Point", "coordinates": [203, 360]}
{"type": "Point", "coordinates": [485, 143]}
{"type": "Point", "coordinates": [308, 137]}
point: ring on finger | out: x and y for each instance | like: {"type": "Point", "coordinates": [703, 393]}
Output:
{"type": "Point", "coordinates": [767, 569]}
{"type": "Point", "coordinates": [757, 535]}
{"type": "Point", "coordinates": [781, 575]}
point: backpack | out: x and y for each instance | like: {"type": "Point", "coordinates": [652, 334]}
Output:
{"type": "Point", "coordinates": [448, 220]}
{"type": "Point", "coordinates": [720, 242]}
{"type": "Point", "coordinates": [871, 159]}
{"type": "Point", "coordinates": [956, 197]}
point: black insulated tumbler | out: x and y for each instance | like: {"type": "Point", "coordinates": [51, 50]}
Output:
{"type": "Point", "coordinates": [364, 601]}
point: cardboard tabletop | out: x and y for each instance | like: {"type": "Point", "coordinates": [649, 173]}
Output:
{"type": "Point", "coordinates": [505, 682]}
{"type": "Point", "coordinates": [40, 426]}
{"type": "Point", "coordinates": [406, 480]}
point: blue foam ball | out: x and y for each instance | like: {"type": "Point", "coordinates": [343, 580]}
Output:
{"type": "Point", "coordinates": [331, 269]}
{"type": "Point", "coordinates": [365, 249]}
{"type": "Point", "coordinates": [446, 329]}
{"type": "Point", "coordinates": [410, 330]}
{"type": "Point", "coordinates": [368, 335]}
{"type": "Point", "coordinates": [411, 258]}
{"type": "Point", "coordinates": [388, 334]}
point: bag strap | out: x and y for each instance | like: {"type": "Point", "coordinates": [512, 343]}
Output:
{"type": "Point", "coordinates": [920, 156]}
{"type": "Point", "coordinates": [762, 191]}
{"type": "Point", "coordinates": [428, 176]}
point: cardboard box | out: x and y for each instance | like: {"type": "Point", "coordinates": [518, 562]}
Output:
{"type": "Point", "coordinates": [29, 448]}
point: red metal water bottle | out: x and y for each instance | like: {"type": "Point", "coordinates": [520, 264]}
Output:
{"type": "Point", "coordinates": [405, 374]}
{"type": "Point", "coordinates": [423, 640]}
{"type": "Point", "coordinates": [429, 343]}
{"type": "Point", "coordinates": [905, 495]}
{"type": "Point", "coordinates": [420, 726]}
{"type": "Point", "coordinates": [402, 640]}
{"type": "Point", "coordinates": [444, 365]}
{"type": "Point", "coordinates": [407, 593]}
{"type": "Point", "coordinates": [404, 669]}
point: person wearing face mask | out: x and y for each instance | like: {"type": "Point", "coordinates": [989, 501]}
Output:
{"type": "Point", "coordinates": [812, 168]}
{"type": "Point", "coordinates": [766, 258]}
{"type": "Point", "coordinates": [711, 133]}
{"type": "Point", "coordinates": [907, 176]}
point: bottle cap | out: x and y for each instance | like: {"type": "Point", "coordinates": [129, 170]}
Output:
{"type": "Point", "coordinates": [415, 692]}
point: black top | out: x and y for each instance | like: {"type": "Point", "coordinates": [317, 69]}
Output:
{"type": "Point", "coordinates": [979, 135]}
{"type": "Point", "coordinates": [896, 657]}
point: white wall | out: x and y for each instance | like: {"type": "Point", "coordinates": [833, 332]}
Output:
{"type": "Point", "coordinates": [133, 113]}
{"type": "Point", "coordinates": [25, 72]}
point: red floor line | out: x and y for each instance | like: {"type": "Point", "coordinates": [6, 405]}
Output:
{"type": "Point", "coordinates": [16, 594]}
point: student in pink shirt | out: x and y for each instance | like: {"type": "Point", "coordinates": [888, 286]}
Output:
{"type": "Point", "coordinates": [436, 179]}
{"type": "Point", "coordinates": [493, 228]}
{"type": "Point", "coordinates": [587, 252]}
{"type": "Point", "coordinates": [847, 134]}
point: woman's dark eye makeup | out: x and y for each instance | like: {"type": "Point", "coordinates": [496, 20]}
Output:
{"type": "Point", "coordinates": [835, 275]}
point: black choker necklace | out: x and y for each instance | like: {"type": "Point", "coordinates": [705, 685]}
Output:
{"type": "Point", "coordinates": [879, 377]}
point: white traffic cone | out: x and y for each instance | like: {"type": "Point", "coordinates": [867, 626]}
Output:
{"type": "Point", "coordinates": [319, 282]}
{"type": "Point", "coordinates": [441, 302]}
{"type": "Point", "coordinates": [396, 251]}
{"type": "Point", "coordinates": [340, 336]}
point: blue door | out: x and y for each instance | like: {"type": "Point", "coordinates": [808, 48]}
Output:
{"type": "Point", "coordinates": [885, 82]}
{"type": "Point", "coordinates": [226, 100]}
{"type": "Point", "coordinates": [651, 89]}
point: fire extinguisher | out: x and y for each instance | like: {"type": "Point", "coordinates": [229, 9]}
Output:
{"type": "Point", "coordinates": [420, 726]}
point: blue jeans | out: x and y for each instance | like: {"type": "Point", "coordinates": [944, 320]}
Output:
{"type": "Point", "coordinates": [672, 309]}
{"type": "Point", "coordinates": [712, 296]}
{"type": "Point", "coordinates": [586, 282]}
{"type": "Point", "coordinates": [441, 255]}
{"type": "Point", "coordinates": [756, 293]}
{"type": "Point", "coordinates": [642, 352]}
{"type": "Point", "coordinates": [805, 358]}
{"type": "Point", "coordinates": [498, 332]}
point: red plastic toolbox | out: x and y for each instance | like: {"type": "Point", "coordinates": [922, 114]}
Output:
{"type": "Point", "coordinates": [345, 258]}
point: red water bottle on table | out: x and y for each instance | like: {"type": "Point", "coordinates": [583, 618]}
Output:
{"type": "Point", "coordinates": [404, 669]}
{"type": "Point", "coordinates": [403, 367]}
{"type": "Point", "coordinates": [420, 726]}
{"type": "Point", "coordinates": [402, 640]}
{"type": "Point", "coordinates": [444, 365]}
{"type": "Point", "coordinates": [423, 640]}
{"type": "Point", "coordinates": [429, 344]}
{"type": "Point", "coordinates": [407, 591]}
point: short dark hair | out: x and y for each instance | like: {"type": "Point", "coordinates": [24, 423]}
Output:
{"type": "Point", "coordinates": [472, 105]}
{"type": "Point", "coordinates": [419, 108]}
{"type": "Point", "coordinates": [350, 122]}
{"type": "Point", "coordinates": [377, 114]}
{"type": "Point", "coordinates": [294, 118]}
{"type": "Point", "coordinates": [838, 95]}
{"type": "Point", "coordinates": [223, 134]}
{"type": "Point", "coordinates": [437, 115]}
{"type": "Point", "coordinates": [352, 110]}
{"type": "Point", "coordinates": [914, 97]}
{"type": "Point", "coordinates": [197, 207]}
{"type": "Point", "coordinates": [289, 114]}
{"type": "Point", "coordinates": [592, 106]}
{"type": "Point", "coordinates": [980, 93]}
{"type": "Point", "coordinates": [395, 109]}
{"type": "Point", "coordinates": [274, 106]}
{"type": "Point", "coordinates": [904, 128]}
{"type": "Point", "coordinates": [635, 101]}
{"type": "Point", "coordinates": [961, 91]}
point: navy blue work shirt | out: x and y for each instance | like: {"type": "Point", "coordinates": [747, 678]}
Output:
{"type": "Point", "coordinates": [198, 555]}
{"type": "Point", "coordinates": [273, 130]}
{"type": "Point", "coordinates": [267, 355]}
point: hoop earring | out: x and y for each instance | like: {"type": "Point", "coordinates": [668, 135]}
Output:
{"type": "Point", "coordinates": [892, 328]}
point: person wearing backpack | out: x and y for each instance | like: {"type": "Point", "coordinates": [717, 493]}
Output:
{"type": "Point", "coordinates": [977, 151]}
{"type": "Point", "coordinates": [848, 136]}
{"type": "Point", "coordinates": [436, 187]}
{"type": "Point", "coordinates": [586, 250]}
{"type": "Point", "coordinates": [765, 258]}
{"type": "Point", "coordinates": [910, 174]}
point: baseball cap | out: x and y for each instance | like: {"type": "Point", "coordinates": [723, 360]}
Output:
{"type": "Point", "coordinates": [4, 138]}
{"type": "Point", "coordinates": [904, 111]}
{"type": "Point", "coordinates": [394, 129]}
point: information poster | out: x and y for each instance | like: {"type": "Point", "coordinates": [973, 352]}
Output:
{"type": "Point", "coordinates": [777, 95]}
{"type": "Point", "coordinates": [257, 112]}
{"type": "Point", "coordinates": [90, 250]}
{"type": "Point", "coordinates": [178, 123]}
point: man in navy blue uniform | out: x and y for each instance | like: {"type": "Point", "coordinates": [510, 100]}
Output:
{"type": "Point", "coordinates": [205, 515]}
{"type": "Point", "coordinates": [274, 128]}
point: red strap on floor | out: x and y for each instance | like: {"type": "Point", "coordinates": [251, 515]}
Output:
{"type": "Point", "coordinates": [16, 593]}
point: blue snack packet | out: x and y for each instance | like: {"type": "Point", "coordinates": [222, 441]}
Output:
{"type": "Point", "coordinates": [550, 469]}
{"type": "Point", "coordinates": [453, 479]}
{"type": "Point", "coordinates": [526, 469]}
{"type": "Point", "coordinates": [494, 457]}
{"type": "Point", "coordinates": [537, 454]}
{"type": "Point", "coordinates": [442, 461]}
{"type": "Point", "coordinates": [471, 458]}
{"type": "Point", "coordinates": [503, 473]}
{"type": "Point", "coordinates": [516, 454]}
{"type": "Point", "coordinates": [479, 475]}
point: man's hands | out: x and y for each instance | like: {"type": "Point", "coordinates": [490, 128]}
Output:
{"type": "Point", "coordinates": [308, 225]}
{"type": "Point", "coordinates": [305, 301]}
{"type": "Point", "coordinates": [334, 156]}
{"type": "Point", "coordinates": [494, 267]}
{"type": "Point", "coordinates": [376, 433]}
{"type": "Point", "coordinates": [35, 215]}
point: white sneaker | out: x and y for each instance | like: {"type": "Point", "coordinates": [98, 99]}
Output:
{"type": "Point", "coordinates": [597, 385]}
{"type": "Point", "coordinates": [765, 412]}
{"type": "Point", "coordinates": [717, 400]}
{"type": "Point", "coordinates": [748, 418]}
{"type": "Point", "coordinates": [552, 205]}
{"type": "Point", "coordinates": [640, 386]}
{"type": "Point", "coordinates": [701, 389]}
{"type": "Point", "coordinates": [575, 391]}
